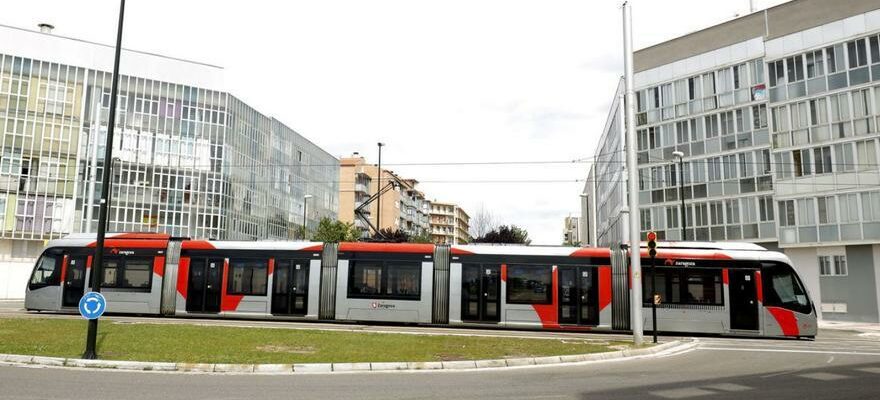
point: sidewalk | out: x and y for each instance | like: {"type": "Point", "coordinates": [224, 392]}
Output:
{"type": "Point", "coordinates": [864, 327]}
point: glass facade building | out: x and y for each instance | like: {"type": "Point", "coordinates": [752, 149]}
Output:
{"type": "Point", "coordinates": [190, 159]}
{"type": "Point", "coordinates": [778, 124]}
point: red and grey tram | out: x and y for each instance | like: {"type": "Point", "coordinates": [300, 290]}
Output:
{"type": "Point", "coordinates": [718, 288]}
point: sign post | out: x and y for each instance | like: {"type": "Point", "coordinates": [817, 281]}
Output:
{"type": "Point", "coordinates": [652, 252]}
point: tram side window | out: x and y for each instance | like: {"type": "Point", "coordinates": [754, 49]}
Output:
{"type": "Point", "coordinates": [47, 272]}
{"type": "Point", "coordinates": [685, 286]}
{"type": "Point", "coordinates": [248, 277]}
{"type": "Point", "coordinates": [783, 289]}
{"type": "Point", "coordinates": [384, 280]}
{"type": "Point", "coordinates": [528, 284]}
{"type": "Point", "coordinates": [133, 273]}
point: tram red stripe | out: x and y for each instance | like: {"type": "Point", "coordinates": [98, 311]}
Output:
{"type": "Point", "coordinates": [759, 286]}
{"type": "Point", "coordinates": [197, 245]}
{"type": "Point", "coordinates": [229, 302]}
{"type": "Point", "coordinates": [786, 320]}
{"type": "Point", "coordinates": [271, 266]}
{"type": "Point", "coordinates": [132, 244]}
{"type": "Point", "coordinates": [417, 248]}
{"type": "Point", "coordinates": [604, 287]}
{"type": "Point", "coordinates": [459, 252]}
{"type": "Point", "coordinates": [725, 277]}
{"type": "Point", "coordinates": [183, 276]}
{"type": "Point", "coordinates": [591, 252]}
{"type": "Point", "coordinates": [547, 313]}
{"type": "Point", "coordinates": [63, 270]}
{"type": "Point", "coordinates": [504, 272]}
{"type": "Point", "coordinates": [159, 266]}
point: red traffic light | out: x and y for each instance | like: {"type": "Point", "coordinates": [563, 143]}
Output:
{"type": "Point", "coordinates": [652, 236]}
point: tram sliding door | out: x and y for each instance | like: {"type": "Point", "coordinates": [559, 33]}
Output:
{"type": "Point", "coordinates": [290, 292]}
{"type": "Point", "coordinates": [481, 293]}
{"type": "Point", "coordinates": [578, 295]}
{"type": "Point", "coordinates": [205, 284]}
{"type": "Point", "coordinates": [743, 300]}
{"type": "Point", "coordinates": [74, 281]}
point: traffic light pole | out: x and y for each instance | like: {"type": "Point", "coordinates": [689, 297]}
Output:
{"type": "Point", "coordinates": [654, 297]}
{"type": "Point", "coordinates": [98, 261]}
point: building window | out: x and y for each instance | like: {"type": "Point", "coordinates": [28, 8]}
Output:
{"type": "Point", "coordinates": [827, 209]}
{"type": "Point", "coordinates": [392, 280]}
{"type": "Point", "coordinates": [529, 284]}
{"type": "Point", "coordinates": [765, 208]}
{"type": "Point", "coordinates": [834, 58]}
{"type": "Point", "coordinates": [786, 213]}
{"type": "Point", "coordinates": [777, 73]}
{"type": "Point", "coordinates": [822, 160]}
{"type": "Point", "coordinates": [832, 266]}
{"type": "Point", "coordinates": [871, 206]}
{"type": "Point", "coordinates": [858, 57]}
{"type": "Point", "coordinates": [248, 277]}
{"type": "Point", "coordinates": [815, 64]}
{"type": "Point", "coordinates": [795, 69]}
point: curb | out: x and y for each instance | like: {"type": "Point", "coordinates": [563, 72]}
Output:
{"type": "Point", "coordinates": [324, 368]}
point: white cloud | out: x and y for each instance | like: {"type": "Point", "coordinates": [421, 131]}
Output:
{"type": "Point", "coordinates": [437, 81]}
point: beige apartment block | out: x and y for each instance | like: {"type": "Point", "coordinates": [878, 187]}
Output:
{"type": "Point", "coordinates": [403, 206]}
{"type": "Point", "coordinates": [449, 223]}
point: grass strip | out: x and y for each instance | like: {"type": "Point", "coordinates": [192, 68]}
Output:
{"type": "Point", "coordinates": [252, 345]}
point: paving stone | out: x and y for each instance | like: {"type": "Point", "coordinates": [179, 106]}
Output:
{"type": "Point", "coordinates": [519, 362]}
{"type": "Point", "coordinates": [348, 367]}
{"type": "Point", "coordinates": [459, 365]}
{"type": "Point", "coordinates": [273, 368]}
{"type": "Point", "coordinates": [187, 367]}
{"type": "Point", "coordinates": [490, 363]}
{"type": "Point", "coordinates": [234, 368]}
{"type": "Point", "coordinates": [425, 365]}
{"type": "Point", "coordinates": [547, 360]}
{"type": "Point", "coordinates": [388, 366]}
{"type": "Point", "coordinates": [312, 368]}
{"type": "Point", "coordinates": [53, 361]}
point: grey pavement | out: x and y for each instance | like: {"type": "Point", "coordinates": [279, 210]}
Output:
{"type": "Point", "coordinates": [839, 365]}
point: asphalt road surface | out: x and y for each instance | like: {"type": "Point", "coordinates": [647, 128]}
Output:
{"type": "Point", "coordinates": [840, 365]}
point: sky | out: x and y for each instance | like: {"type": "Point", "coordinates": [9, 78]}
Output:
{"type": "Point", "coordinates": [449, 81]}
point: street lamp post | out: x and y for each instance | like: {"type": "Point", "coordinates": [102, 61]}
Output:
{"type": "Point", "coordinates": [379, 190]}
{"type": "Point", "coordinates": [305, 207]}
{"type": "Point", "coordinates": [680, 157]}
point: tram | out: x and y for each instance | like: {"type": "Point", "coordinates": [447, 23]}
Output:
{"type": "Point", "coordinates": [737, 289]}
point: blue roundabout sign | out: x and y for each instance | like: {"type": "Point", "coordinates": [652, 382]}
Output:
{"type": "Point", "coordinates": [92, 305]}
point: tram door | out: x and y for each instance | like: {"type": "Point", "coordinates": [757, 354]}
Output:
{"type": "Point", "coordinates": [205, 284]}
{"type": "Point", "coordinates": [743, 300]}
{"type": "Point", "coordinates": [481, 293]}
{"type": "Point", "coordinates": [290, 287]}
{"type": "Point", "coordinates": [578, 295]}
{"type": "Point", "coordinates": [74, 281]}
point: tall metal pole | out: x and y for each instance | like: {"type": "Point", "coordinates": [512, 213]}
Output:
{"type": "Point", "coordinates": [379, 190]}
{"type": "Point", "coordinates": [632, 180]}
{"type": "Point", "coordinates": [684, 218]}
{"type": "Point", "coordinates": [654, 297]}
{"type": "Point", "coordinates": [680, 156]}
{"type": "Point", "coordinates": [305, 214]}
{"type": "Point", "coordinates": [98, 261]}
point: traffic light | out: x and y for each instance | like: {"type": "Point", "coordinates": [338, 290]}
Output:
{"type": "Point", "coordinates": [652, 244]}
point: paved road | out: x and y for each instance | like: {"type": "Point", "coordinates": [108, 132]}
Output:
{"type": "Point", "coordinates": [840, 365]}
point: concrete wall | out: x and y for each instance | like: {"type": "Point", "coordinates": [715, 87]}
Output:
{"type": "Point", "coordinates": [806, 263]}
{"type": "Point", "coordinates": [13, 278]}
{"type": "Point", "coordinates": [858, 289]}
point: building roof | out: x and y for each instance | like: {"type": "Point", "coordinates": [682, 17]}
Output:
{"type": "Point", "coordinates": [774, 22]}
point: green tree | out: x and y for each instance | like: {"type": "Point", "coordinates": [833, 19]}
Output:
{"type": "Point", "coordinates": [511, 234]}
{"type": "Point", "coordinates": [424, 237]}
{"type": "Point", "coordinates": [335, 231]}
{"type": "Point", "coordinates": [392, 235]}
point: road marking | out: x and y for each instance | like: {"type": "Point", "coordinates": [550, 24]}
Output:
{"type": "Point", "coordinates": [873, 370]}
{"type": "Point", "coordinates": [855, 353]}
{"type": "Point", "coordinates": [682, 393]}
{"type": "Point", "coordinates": [728, 387]}
{"type": "Point", "coordinates": [823, 376]}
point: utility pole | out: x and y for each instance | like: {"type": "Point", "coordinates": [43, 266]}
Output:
{"type": "Point", "coordinates": [684, 222]}
{"type": "Point", "coordinates": [378, 190]}
{"type": "Point", "coordinates": [98, 261]}
{"type": "Point", "coordinates": [632, 169]}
